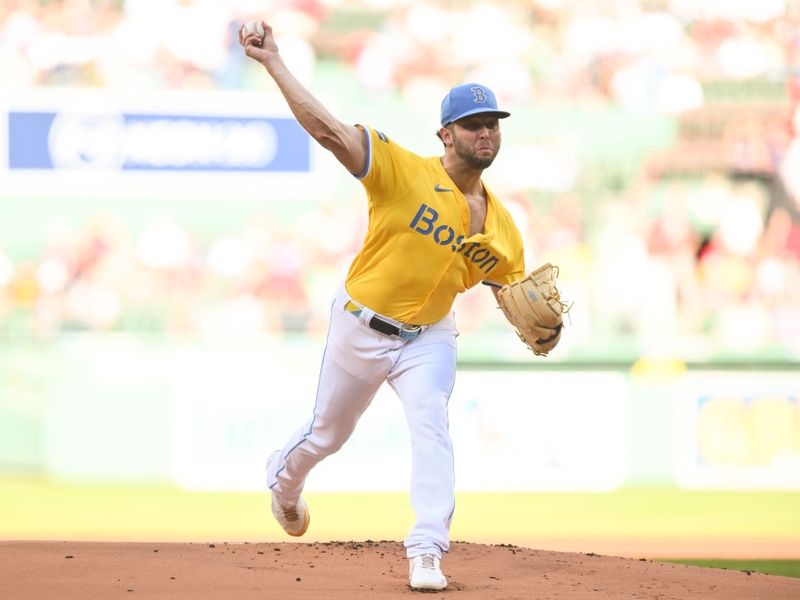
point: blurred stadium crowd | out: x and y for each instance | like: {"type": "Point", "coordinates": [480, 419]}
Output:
{"type": "Point", "coordinates": [646, 54]}
{"type": "Point", "coordinates": [698, 247]}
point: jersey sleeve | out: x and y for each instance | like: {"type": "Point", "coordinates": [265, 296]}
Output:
{"type": "Point", "coordinates": [516, 267]}
{"type": "Point", "coordinates": [386, 175]}
{"type": "Point", "coordinates": [518, 271]}
{"type": "Point", "coordinates": [512, 248]}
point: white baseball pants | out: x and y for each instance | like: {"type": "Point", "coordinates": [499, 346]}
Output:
{"type": "Point", "coordinates": [356, 361]}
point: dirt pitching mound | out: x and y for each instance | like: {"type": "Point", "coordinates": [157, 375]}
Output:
{"type": "Point", "coordinates": [352, 570]}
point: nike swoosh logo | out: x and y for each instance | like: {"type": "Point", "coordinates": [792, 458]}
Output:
{"type": "Point", "coordinates": [439, 188]}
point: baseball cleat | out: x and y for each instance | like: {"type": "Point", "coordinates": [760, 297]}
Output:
{"type": "Point", "coordinates": [425, 574]}
{"type": "Point", "coordinates": [293, 519]}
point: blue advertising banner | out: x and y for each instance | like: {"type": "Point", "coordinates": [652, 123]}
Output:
{"type": "Point", "coordinates": [49, 140]}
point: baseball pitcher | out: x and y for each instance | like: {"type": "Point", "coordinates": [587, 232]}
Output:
{"type": "Point", "coordinates": [435, 230]}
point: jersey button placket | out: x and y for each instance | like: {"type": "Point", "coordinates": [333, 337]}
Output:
{"type": "Point", "coordinates": [463, 208]}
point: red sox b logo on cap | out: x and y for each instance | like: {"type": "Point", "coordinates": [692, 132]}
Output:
{"type": "Point", "coordinates": [480, 96]}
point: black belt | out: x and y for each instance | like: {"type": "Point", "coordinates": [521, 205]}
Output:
{"type": "Point", "coordinates": [384, 326]}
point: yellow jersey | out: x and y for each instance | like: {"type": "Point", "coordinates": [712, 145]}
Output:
{"type": "Point", "coordinates": [417, 253]}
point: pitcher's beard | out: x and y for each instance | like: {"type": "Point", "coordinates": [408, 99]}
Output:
{"type": "Point", "coordinates": [470, 159]}
{"type": "Point", "coordinates": [478, 163]}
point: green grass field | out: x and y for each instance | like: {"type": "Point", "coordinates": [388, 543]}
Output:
{"type": "Point", "coordinates": [735, 530]}
{"type": "Point", "coordinates": [787, 568]}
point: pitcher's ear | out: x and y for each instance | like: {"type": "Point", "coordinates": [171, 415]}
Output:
{"type": "Point", "coordinates": [446, 135]}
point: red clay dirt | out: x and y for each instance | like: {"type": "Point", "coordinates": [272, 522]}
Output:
{"type": "Point", "coordinates": [353, 571]}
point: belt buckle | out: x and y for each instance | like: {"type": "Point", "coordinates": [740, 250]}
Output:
{"type": "Point", "coordinates": [409, 333]}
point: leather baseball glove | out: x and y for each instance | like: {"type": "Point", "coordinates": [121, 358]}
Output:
{"type": "Point", "coordinates": [533, 306]}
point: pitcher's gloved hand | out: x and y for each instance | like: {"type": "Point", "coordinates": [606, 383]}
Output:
{"type": "Point", "coordinates": [533, 306]}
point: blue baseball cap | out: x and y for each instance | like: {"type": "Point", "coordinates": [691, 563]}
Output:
{"type": "Point", "coordinates": [469, 99]}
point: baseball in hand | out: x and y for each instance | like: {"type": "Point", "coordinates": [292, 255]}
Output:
{"type": "Point", "coordinates": [254, 27]}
